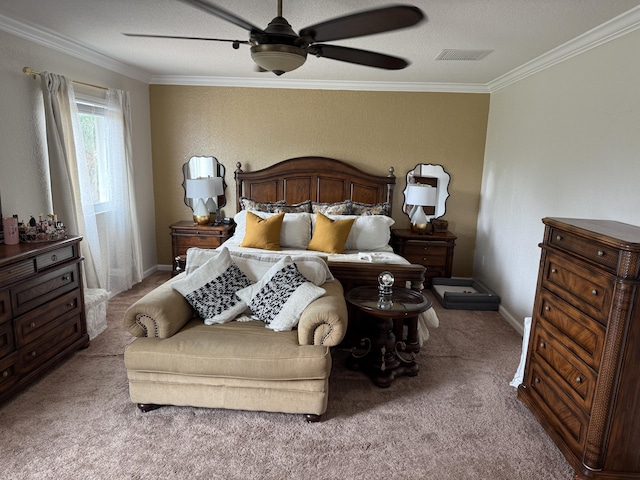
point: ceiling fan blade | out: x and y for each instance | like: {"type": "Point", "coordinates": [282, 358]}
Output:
{"type": "Point", "coordinates": [144, 35]}
{"type": "Point", "coordinates": [361, 57]}
{"type": "Point", "coordinates": [368, 22]}
{"type": "Point", "coordinates": [220, 12]}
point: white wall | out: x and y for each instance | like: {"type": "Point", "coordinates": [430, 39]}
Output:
{"type": "Point", "coordinates": [23, 173]}
{"type": "Point", "coordinates": [564, 142]}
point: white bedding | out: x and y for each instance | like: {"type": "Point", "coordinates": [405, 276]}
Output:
{"type": "Point", "coordinates": [425, 320]}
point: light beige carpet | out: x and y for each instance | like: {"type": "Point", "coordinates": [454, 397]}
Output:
{"type": "Point", "coordinates": [458, 419]}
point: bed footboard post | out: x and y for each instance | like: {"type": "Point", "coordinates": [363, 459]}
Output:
{"type": "Point", "coordinates": [236, 174]}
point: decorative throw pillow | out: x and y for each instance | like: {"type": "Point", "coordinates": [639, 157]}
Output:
{"type": "Point", "coordinates": [211, 289]}
{"type": "Point", "coordinates": [263, 232]}
{"type": "Point", "coordinates": [330, 235]}
{"type": "Point", "coordinates": [249, 204]}
{"type": "Point", "coordinates": [302, 207]}
{"type": "Point", "coordinates": [358, 208]}
{"type": "Point", "coordinates": [338, 208]}
{"type": "Point", "coordinates": [280, 297]}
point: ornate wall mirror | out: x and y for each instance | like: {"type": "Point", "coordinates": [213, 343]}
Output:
{"type": "Point", "coordinates": [425, 195]}
{"type": "Point", "coordinates": [204, 187]}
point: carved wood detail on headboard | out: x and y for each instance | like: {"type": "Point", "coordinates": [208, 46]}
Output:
{"type": "Point", "coordinates": [319, 179]}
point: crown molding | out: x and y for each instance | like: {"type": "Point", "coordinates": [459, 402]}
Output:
{"type": "Point", "coordinates": [317, 84]}
{"type": "Point", "coordinates": [57, 42]}
{"type": "Point", "coordinates": [614, 28]}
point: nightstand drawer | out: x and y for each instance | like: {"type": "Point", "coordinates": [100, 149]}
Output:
{"type": "Point", "coordinates": [602, 255]}
{"type": "Point", "coordinates": [584, 336]}
{"type": "Point", "coordinates": [208, 241]}
{"type": "Point", "coordinates": [583, 288]}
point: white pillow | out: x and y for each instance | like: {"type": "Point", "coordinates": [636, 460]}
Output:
{"type": "Point", "coordinates": [254, 265]}
{"type": "Point", "coordinates": [211, 289]}
{"type": "Point", "coordinates": [369, 233]}
{"type": "Point", "coordinates": [280, 297]}
{"type": "Point", "coordinates": [295, 232]}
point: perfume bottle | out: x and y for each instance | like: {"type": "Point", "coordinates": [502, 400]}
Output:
{"type": "Point", "coordinates": [385, 290]}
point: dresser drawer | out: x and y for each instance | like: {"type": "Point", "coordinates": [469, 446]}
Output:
{"type": "Point", "coordinates": [575, 378]}
{"type": "Point", "coordinates": [587, 248]}
{"type": "Point", "coordinates": [33, 293]}
{"type": "Point", "coordinates": [565, 417]}
{"type": "Point", "coordinates": [6, 339]}
{"type": "Point", "coordinates": [41, 320]}
{"type": "Point", "coordinates": [54, 257]}
{"type": "Point", "coordinates": [582, 335]}
{"type": "Point", "coordinates": [8, 372]}
{"type": "Point", "coordinates": [17, 271]}
{"type": "Point", "coordinates": [66, 332]}
{"type": "Point", "coordinates": [589, 291]}
{"type": "Point", "coordinates": [5, 306]}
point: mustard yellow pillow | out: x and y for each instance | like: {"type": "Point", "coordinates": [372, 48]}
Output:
{"type": "Point", "coordinates": [330, 235]}
{"type": "Point", "coordinates": [263, 232]}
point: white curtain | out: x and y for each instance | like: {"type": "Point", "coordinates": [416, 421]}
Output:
{"type": "Point", "coordinates": [71, 197]}
{"type": "Point", "coordinates": [111, 244]}
{"type": "Point", "coordinates": [121, 232]}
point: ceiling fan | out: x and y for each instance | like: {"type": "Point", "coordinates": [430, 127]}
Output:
{"type": "Point", "coordinates": [279, 49]}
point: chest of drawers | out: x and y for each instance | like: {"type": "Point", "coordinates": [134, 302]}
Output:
{"type": "Point", "coordinates": [42, 318]}
{"type": "Point", "coordinates": [582, 378]}
{"type": "Point", "coordinates": [434, 252]}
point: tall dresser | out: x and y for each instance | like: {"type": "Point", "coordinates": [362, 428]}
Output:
{"type": "Point", "coordinates": [42, 317]}
{"type": "Point", "coordinates": [582, 374]}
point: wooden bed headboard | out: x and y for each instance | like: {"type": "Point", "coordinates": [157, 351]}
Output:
{"type": "Point", "coordinates": [319, 179]}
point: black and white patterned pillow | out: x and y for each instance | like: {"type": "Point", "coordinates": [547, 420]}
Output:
{"type": "Point", "coordinates": [281, 295]}
{"type": "Point", "coordinates": [211, 289]}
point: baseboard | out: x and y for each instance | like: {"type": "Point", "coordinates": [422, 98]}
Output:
{"type": "Point", "coordinates": [165, 268]}
{"type": "Point", "coordinates": [517, 325]}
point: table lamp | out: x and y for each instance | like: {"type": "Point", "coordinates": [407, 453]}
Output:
{"type": "Point", "coordinates": [200, 190]}
{"type": "Point", "coordinates": [419, 196]}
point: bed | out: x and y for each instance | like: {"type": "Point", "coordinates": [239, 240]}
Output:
{"type": "Point", "coordinates": [325, 185]}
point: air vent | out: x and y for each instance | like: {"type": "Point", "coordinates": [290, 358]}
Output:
{"type": "Point", "coordinates": [464, 55]}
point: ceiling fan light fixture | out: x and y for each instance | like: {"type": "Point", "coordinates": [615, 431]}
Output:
{"type": "Point", "coordinates": [278, 58]}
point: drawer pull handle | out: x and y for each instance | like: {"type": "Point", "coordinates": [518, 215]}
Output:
{"type": "Point", "coordinates": [600, 253]}
{"type": "Point", "coordinates": [33, 325]}
{"type": "Point", "coordinates": [5, 374]}
{"type": "Point", "coordinates": [547, 308]}
{"type": "Point", "coordinates": [33, 354]}
{"type": "Point", "coordinates": [579, 379]}
{"type": "Point", "coordinates": [54, 258]}
{"type": "Point", "coordinates": [543, 345]}
{"type": "Point", "coordinates": [66, 278]}
{"type": "Point", "coordinates": [70, 304]}
{"type": "Point", "coordinates": [537, 380]}
{"type": "Point", "coordinates": [553, 270]}
{"type": "Point", "coordinates": [594, 292]}
{"type": "Point", "coordinates": [559, 237]}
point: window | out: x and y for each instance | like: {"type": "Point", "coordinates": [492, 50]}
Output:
{"type": "Point", "coordinates": [92, 117]}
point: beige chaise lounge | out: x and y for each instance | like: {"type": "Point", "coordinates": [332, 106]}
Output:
{"type": "Point", "coordinates": [178, 360]}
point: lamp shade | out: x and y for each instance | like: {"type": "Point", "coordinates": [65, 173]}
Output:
{"type": "Point", "coordinates": [204, 187]}
{"type": "Point", "coordinates": [278, 58]}
{"type": "Point", "coordinates": [423, 195]}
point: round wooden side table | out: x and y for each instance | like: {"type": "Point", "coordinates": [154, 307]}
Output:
{"type": "Point", "coordinates": [382, 357]}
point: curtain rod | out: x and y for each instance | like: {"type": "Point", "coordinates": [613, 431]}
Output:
{"type": "Point", "coordinates": [30, 72]}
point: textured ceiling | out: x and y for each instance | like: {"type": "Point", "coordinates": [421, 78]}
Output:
{"type": "Point", "coordinates": [517, 32]}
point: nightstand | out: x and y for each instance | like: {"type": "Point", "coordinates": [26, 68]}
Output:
{"type": "Point", "coordinates": [185, 235]}
{"type": "Point", "coordinates": [434, 251]}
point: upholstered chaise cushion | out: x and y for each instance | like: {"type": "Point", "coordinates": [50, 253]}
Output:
{"type": "Point", "coordinates": [240, 350]}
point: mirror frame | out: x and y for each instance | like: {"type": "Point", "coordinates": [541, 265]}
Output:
{"type": "Point", "coordinates": [200, 166]}
{"type": "Point", "coordinates": [434, 175]}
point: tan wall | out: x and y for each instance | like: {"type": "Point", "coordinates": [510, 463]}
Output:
{"type": "Point", "coordinates": [371, 130]}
